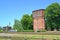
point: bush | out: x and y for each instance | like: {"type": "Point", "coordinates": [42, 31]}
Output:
{"type": "Point", "coordinates": [1, 31]}
{"type": "Point", "coordinates": [41, 31]}
{"type": "Point", "coordinates": [28, 31]}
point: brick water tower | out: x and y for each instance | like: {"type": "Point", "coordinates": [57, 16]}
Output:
{"type": "Point", "coordinates": [38, 20]}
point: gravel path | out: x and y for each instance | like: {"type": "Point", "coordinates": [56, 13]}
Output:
{"type": "Point", "coordinates": [6, 34]}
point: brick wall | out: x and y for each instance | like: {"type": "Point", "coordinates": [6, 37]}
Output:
{"type": "Point", "coordinates": [38, 19]}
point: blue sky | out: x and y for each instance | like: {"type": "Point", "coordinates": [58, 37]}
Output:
{"type": "Point", "coordinates": [14, 9]}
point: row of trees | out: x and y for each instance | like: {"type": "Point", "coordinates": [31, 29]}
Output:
{"type": "Point", "coordinates": [52, 19]}
{"type": "Point", "coordinates": [24, 24]}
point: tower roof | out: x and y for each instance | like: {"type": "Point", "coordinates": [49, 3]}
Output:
{"type": "Point", "coordinates": [38, 10]}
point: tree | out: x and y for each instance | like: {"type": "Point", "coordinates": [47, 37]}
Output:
{"type": "Point", "coordinates": [26, 22]}
{"type": "Point", "coordinates": [30, 22]}
{"type": "Point", "coordinates": [0, 28]}
{"type": "Point", "coordinates": [52, 16]}
{"type": "Point", "coordinates": [17, 25]}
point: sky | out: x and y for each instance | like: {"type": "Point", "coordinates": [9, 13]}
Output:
{"type": "Point", "coordinates": [15, 9]}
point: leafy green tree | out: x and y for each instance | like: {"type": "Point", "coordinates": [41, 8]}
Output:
{"type": "Point", "coordinates": [0, 29]}
{"type": "Point", "coordinates": [30, 22]}
{"type": "Point", "coordinates": [26, 22]}
{"type": "Point", "coordinates": [17, 25]}
{"type": "Point", "coordinates": [52, 16]}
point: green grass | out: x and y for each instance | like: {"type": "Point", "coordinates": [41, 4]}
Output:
{"type": "Point", "coordinates": [38, 36]}
{"type": "Point", "coordinates": [30, 36]}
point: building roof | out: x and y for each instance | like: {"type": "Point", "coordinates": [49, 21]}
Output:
{"type": "Point", "coordinates": [38, 10]}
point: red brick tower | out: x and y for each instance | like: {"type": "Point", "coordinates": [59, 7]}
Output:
{"type": "Point", "coordinates": [38, 19]}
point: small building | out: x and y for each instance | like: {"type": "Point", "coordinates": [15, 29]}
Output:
{"type": "Point", "coordinates": [7, 28]}
{"type": "Point", "coordinates": [38, 19]}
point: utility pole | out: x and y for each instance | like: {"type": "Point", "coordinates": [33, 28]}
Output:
{"type": "Point", "coordinates": [9, 23]}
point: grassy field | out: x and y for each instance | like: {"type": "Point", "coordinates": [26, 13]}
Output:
{"type": "Point", "coordinates": [30, 37]}
{"type": "Point", "coordinates": [39, 36]}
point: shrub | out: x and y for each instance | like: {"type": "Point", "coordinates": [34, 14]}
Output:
{"type": "Point", "coordinates": [1, 31]}
{"type": "Point", "coordinates": [41, 31]}
{"type": "Point", "coordinates": [28, 31]}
